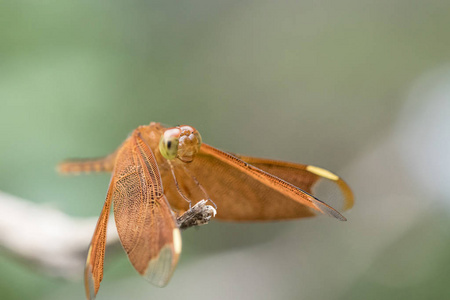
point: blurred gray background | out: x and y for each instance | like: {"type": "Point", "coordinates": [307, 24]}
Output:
{"type": "Point", "coordinates": [358, 87]}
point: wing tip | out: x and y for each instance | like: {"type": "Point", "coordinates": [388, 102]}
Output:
{"type": "Point", "coordinates": [347, 192]}
{"type": "Point", "coordinates": [160, 269]}
{"type": "Point", "coordinates": [177, 241]}
{"type": "Point", "coordinates": [328, 210]}
{"type": "Point", "coordinates": [89, 282]}
{"type": "Point", "coordinates": [322, 172]}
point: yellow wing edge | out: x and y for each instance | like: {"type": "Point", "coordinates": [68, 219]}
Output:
{"type": "Point", "coordinates": [349, 198]}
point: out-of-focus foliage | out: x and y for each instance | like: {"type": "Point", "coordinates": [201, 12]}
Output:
{"type": "Point", "coordinates": [359, 87]}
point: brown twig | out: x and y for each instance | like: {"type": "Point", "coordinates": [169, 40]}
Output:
{"type": "Point", "coordinates": [56, 243]}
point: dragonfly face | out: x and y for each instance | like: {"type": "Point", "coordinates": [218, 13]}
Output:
{"type": "Point", "coordinates": [182, 142]}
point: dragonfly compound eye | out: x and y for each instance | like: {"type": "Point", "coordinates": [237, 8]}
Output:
{"type": "Point", "coordinates": [168, 144]}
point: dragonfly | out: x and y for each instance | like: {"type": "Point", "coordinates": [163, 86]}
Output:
{"type": "Point", "coordinates": [158, 173]}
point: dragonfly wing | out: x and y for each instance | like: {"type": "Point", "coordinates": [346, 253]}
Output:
{"type": "Point", "coordinates": [244, 192]}
{"type": "Point", "coordinates": [93, 272]}
{"type": "Point", "coordinates": [306, 177]}
{"type": "Point", "coordinates": [144, 220]}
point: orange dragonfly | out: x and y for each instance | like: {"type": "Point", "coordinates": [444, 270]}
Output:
{"type": "Point", "coordinates": [243, 188]}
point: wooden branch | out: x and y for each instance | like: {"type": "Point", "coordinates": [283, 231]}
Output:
{"type": "Point", "coordinates": [56, 243]}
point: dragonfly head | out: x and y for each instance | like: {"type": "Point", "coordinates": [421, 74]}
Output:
{"type": "Point", "coordinates": [182, 142]}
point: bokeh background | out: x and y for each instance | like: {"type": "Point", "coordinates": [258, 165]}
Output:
{"type": "Point", "coordinates": [358, 87]}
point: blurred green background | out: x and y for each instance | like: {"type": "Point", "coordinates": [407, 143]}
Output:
{"type": "Point", "coordinates": [358, 87]}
